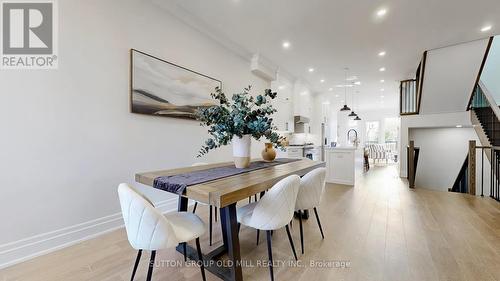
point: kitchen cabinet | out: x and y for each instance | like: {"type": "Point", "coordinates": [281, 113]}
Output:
{"type": "Point", "coordinates": [295, 152]}
{"type": "Point", "coordinates": [340, 165]}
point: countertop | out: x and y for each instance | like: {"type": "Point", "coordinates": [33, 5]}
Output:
{"type": "Point", "coordinates": [341, 148]}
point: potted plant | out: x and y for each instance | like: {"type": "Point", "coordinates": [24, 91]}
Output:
{"type": "Point", "coordinates": [237, 121]}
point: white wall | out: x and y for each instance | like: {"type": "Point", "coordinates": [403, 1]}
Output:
{"type": "Point", "coordinates": [442, 153]}
{"type": "Point", "coordinates": [450, 74]}
{"type": "Point", "coordinates": [68, 138]}
{"type": "Point", "coordinates": [445, 120]}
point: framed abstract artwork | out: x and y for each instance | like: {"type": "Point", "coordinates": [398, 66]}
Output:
{"type": "Point", "coordinates": [161, 88]}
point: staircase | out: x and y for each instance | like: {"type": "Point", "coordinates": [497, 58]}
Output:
{"type": "Point", "coordinates": [484, 107]}
{"type": "Point", "coordinates": [486, 116]}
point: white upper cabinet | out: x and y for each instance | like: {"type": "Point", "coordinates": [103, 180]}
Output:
{"type": "Point", "coordinates": [283, 118]}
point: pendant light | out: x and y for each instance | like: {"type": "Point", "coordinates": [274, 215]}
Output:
{"type": "Point", "coordinates": [345, 107]}
{"type": "Point", "coordinates": [352, 114]}
{"type": "Point", "coordinates": [356, 103]}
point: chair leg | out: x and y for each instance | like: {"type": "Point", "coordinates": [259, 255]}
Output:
{"type": "Point", "coordinates": [301, 232]}
{"type": "Point", "coordinates": [255, 196]}
{"type": "Point", "coordinates": [137, 260]}
{"type": "Point", "coordinates": [270, 253]}
{"type": "Point", "coordinates": [200, 259]}
{"type": "Point", "coordinates": [291, 241]}
{"type": "Point", "coordinates": [194, 208]}
{"type": "Point", "coordinates": [239, 227]}
{"type": "Point", "coordinates": [249, 199]}
{"type": "Point", "coordinates": [210, 225]}
{"type": "Point", "coordinates": [151, 265]}
{"type": "Point", "coordinates": [215, 213]}
{"type": "Point", "coordinates": [258, 233]}
{"type": "Point", "coordinates": [184, 249]}
{"type": "Point", "coordinates": [319, 223]}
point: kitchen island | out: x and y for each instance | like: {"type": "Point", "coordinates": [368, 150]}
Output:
{"type": "Point", "coordinates": [340, 165]}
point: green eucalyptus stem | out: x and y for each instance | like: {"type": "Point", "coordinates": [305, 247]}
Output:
{"type": "Point", "coordinates": [242, 115]}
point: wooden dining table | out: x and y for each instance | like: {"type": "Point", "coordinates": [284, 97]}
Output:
{"type": "Point", "coordinates": [224, 193]}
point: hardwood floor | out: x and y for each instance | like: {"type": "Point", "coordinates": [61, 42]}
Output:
{"type": "Point", "coordinates": [383, 230]}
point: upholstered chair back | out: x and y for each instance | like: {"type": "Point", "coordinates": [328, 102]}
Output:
{"type": "Point", "coordinates": [147, 228]}
{"type": "Point", "coordinates": [275, 209]}
{"type": "Point", "coordinates": [311, 189]}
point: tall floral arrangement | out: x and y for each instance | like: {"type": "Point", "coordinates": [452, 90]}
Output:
{"type": "Point", "coordinates": [242, 115]}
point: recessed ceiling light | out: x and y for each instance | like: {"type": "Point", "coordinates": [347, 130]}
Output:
{"type": "Point", "coordinates": [357, 83]}
{"type": "Point", "coordinates": [382, 89]}
{"type": "Point", "coordinates": [286, 44]}
{"type": "Point", "coordinates": [382, 81]}
{"type": "Point", "coordinates": [458, 126]}
{"type": "Point", "coordinates": [336, 96]}
{"type": "Point", "coordinates": [344, 85]}
{"type": "Point", "coordinates": [382, 96]}
{"type": "Point", "coordinates": [381, 12]}
{"type": "Point", "coordinates": [303, 93]}
{"type": "Point", "coordinates": [310, 69]}
{"type": "Point", "coordinates": [322, 80]}
{"type": "Point", "coordinates": [281, 87]}
{"type": "Point", "coordinates": [486, 28]}
{"type": "Point", "coordinates": [382, 69]}
{"type": "Point", "coordinates": [326, 102]}
{"type": "Point", "coordinates": [330, 89]}
{"type": "Point", "coordinates": [351, 78]}
{"type": "Point", "coordinates": [381, 54]}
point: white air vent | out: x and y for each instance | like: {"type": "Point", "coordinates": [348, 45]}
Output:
{"type": "Point", "coordinates": [263, 68]}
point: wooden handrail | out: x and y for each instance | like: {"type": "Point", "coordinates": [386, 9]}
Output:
{"type": "Point", "coordinates": [478, 77]}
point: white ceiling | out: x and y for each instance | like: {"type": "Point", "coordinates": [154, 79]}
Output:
{"type": "Point", "coordinates": [329, 35]}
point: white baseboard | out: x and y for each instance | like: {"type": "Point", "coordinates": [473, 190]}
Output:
{"type": "Point", "coordinates": [41, 244]}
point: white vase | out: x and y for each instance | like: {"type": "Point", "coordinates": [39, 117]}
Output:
{"type": "Point", "coordinates": [241, 150]}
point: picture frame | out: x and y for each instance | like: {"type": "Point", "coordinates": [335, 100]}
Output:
{"type": "Point", "coordinates": [162, 88]}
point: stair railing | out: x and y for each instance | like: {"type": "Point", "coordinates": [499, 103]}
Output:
{"type": "Point", "coordinates": [466, 181]}
{"type": "Point", "coordinates": [482, 98]}
{"type": "Point", "coordinates": [408, 97]}
{"type": "Point", "coordinates": [410, 91]}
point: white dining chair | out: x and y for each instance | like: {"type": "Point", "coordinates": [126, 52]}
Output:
{"type": "Point", "coordinates": [211, 210]}
{"type": "Point", "coordinates": [311, 189]}
{"type": "Point", "coordinates": [273, 211]}
{"type": "Point", "coordinates": [148, 229]}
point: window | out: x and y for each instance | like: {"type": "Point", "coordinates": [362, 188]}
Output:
{"type": "Point", "coordinates": [372, 132]}
{"type": "Point", "coordinates": [391, 130]}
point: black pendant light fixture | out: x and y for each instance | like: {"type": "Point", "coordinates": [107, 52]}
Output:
{"type": "Point", "coordinates": [356, 103]}
{"type": "Point", "coordinates": [345, 107]}
{"type": "Point", "coordinates": [352, 114]}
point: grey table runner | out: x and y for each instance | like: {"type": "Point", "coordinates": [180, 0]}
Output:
{"type": "Point", "coordinates": [178, 183]}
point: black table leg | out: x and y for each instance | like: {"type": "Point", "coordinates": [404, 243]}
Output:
{"type": "Point", "coordinates": [183, 204]}
{"type": "Point", "coordinates": [231, 241]}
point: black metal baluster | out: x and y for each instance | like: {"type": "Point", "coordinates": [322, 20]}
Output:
{"type": "Point", "coordinates": [491, 171]}
{"type": "Point", "coordinates": [496, 170]}
{"type": "Point", "coordinates": [482, 171]}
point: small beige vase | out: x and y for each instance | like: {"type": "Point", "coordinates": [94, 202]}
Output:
{"type": "Point", "coordinates": [268, 154]}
